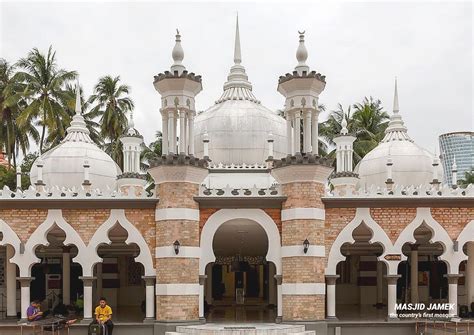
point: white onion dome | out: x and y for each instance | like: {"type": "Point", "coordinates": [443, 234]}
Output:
{"type": "Point", "coordinates": [63, 166]}
{"type": "Point", "coordinates": [412, 164]}
{"type": "Point", "coordinates": [238, 124]}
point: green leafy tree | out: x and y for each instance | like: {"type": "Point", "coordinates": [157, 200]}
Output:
{"type": "Point", "coordinates": [112, 104]}
{"type": "Point", "coordinates": [468, 179]}
{"type": "Point", "coordinates": [44, 92]}
{"type": "Point", "coordinates": [14, 137]}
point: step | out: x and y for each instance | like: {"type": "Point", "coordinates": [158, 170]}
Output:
{"type": "Point", "coordinates": [242, 329]}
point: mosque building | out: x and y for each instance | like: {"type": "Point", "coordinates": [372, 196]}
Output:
{"type": "Point", "coordinates": [247, 222]}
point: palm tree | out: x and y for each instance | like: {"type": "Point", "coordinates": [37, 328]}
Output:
{"type": "Point", "coordinates": [468, 179]}
{"type": "Point", "coordinates": [69, 105]}
{"type": "Point", "coordinates": [112, 105]}
{"type": "Point", "coordinates": [44, 92]}
{"type": "Point", "coordinates": [153, 151]}
{"type": "Point", "coordinates": [369, 123]}
{"type": "Point", "coordinates": [366, 120]}
{"type": "Point", "coordinates": [13, 137]}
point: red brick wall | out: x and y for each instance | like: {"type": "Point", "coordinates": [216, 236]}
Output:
{"type": "Point", "coordinates": [393, 220]}
{"type": "Point", "coordinates": [453, 219]}
{"type": "Point", "coordinates": [23, 221]}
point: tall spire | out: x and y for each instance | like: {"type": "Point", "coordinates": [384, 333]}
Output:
{"type": "Point", "coordinates": [396, 130]}
{"type": "Point", "coordinates": [77, 131]}
{"type": "Point", "coordinates": [301, 55]}
{"type": "Point", "coordinates": [237, 86]}
{"type": "Point", "coordinates": [178, 55]}
{"type": "Point", "coordinates": [78, 97]}
{"type": "Point", "coordinates": [237, 54]}
{"type": "Point", "coordinates": [396, 109]}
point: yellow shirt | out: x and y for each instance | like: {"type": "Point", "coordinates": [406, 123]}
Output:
{"type": "Point", "coordinates": [103, 313]}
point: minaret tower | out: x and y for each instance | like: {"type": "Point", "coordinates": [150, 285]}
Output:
{"type": "Point", "coordinates": [344, 177]}
{"type": "Point", "coordinates": [301, 90]}
{"type": "Point", "coordinates": [303, 176]}
{"type": "Point", "coordinates": [177, 175]}
{"type": "Point", "coordinates": [178, 89]}
{"type": "Point", "coordinates": [131, 177]}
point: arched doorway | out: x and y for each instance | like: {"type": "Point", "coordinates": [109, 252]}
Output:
{"type": "Point", "coordinates": [241, 259]}
{"type": "Point", "coordinates": [360, 288]}
{"type": "Point", "coordinates": [238, 281]}
{"type": "Point", "coordinates": [119, 277]}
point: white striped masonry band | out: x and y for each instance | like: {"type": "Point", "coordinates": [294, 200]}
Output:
{"type": "Point", "coordinates": [303, 214]}
{"type": "Point", "coordinates": [162, 214]}
{"type": "Point", "coordinates": [177, 289]}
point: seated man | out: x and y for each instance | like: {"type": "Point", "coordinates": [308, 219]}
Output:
{"type": "Point", "coordinates": [33, 312]}
{"type": "Point", "coordinates": [103, 315]}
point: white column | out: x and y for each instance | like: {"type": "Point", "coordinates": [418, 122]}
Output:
{"type": "Point", "coordinates": [205, 143]}
{"type": "Point", "coordinates": [289, 147]}
{"type": "Point", "coordinates": [307, 131]}
{"type": "Point", "coordinates": [379, 282]}
{"type": "Point", "coordinates": [272, 296]}
{"type": "Point", "coordinates": [25, 295]}
{"type": "Point", "coordinates": [470, 274]}
{"type": "Point", "coordinates": [18, 178]}
{"type": "Point", "coordinates": [149, 298]}
{"type": "Point", "coordinates": [137, 162]}
{"type": "Point", "coordinates": [331, 296]}
{"type": "Point", "coordinates": [349, 157]}
{"type": "Point", "coordinates": [338, 159]}
{"type": "Point", "coordinates": [98, 285]}
{"type": "Point", "coordinates": [314, 132]}
{"type": "Point", "coordinates": [279, 298]}
{"type": "Point", "coordinates": [453, 291]}
{"type": "Point", "coordinates": [164, 133]}
{"type": "Point", "coordinates": [11, 283]}
{"type": "Point", "coordinates": [414, 274]}
{"type": "Point", "coordinates": [392, 296]}
{"type": "Point", "coordinates": [191, 133]}
{"type": "Point", "coordinates": [66, 276]}
{"type": "Point", "coordinates": [209, 284]}
{"type": "Point", "coordinates": [297, 131]}
{"type": "Point", "coordinates": [175, 132]}
{"type": "Point", "coordinates": [87, 298]}
{"type": "Point", "coordinates": [202, 281]}
{"type": "Point", "coordinates": [182, 132]}
{"type": "Point", "coordinates": [171, 133]}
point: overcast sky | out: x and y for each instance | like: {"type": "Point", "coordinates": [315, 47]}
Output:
{"type": "Point", "coordinates": [360, 47]}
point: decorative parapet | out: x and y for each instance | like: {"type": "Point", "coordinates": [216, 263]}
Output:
{"type": "Point", "coordinates": [133, 175]}
{"type": "Point", "coordinates": [297, 159]}
{"type": "Point", "coordinates": [179, 159]}
{"type": "Point", "coordinates": [343, 174]}
{"type": "Point", "coordinates": [400, 191]}
{"type": "Point", "coordinates": [191, 76]}
{"type": "Point", "coordinates": [230, 192]}
{"type": "Point", "coordinates": [312, 74]}
{"type": "Point", "coordinates": [66, 193]}
{"type": "Point", "coordinates": [233, 167]}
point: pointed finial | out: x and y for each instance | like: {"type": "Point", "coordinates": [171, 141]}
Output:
{"type": "Point", "coordinates": [237, 53]}
{"type": "Point", "coordinates": [344, 130]}
{"type": "Point", "coordinates": [178, 55]}
{"type": "Point", "coordinates": [301, 55]}
{"type": "Point", "coordinates": [396, 108]}
{"type": "Point", "coordinates": [78, 97]}
{"type": "Point", "coordinates": [131, 124]}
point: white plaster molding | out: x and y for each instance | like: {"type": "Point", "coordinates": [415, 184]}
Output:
{"type": "Point", "coordinates": [297, 251]}
{"type": "Point", "coordinates": [9, 237]}
{"type": "Point", "coordinates": [303, 288]}
{"type": "Point", "coordinates": [183, 174]}
{"type": "Point", "coordinates": [184, 252]}
{"type": "Point", "coordinates": [439, 234]}
{"type": "Point", "coordinates": [134, 236]}
{"type": "Point", "coordinates": [177, 289]}
{"type": "Point", "coordinates": [26, 260]}
{"type": "Point", "coordinates": [162, 214]}
{"type": "Point", "coordinates": [378, 236]}
{"type": "Point", "coordinates": [222, 216]}
{"type": "Point", "coordinates": [303, 214]}
{"type": "Point", "coordinates": [302, 173]}
{"type": "Point", "coordinates": [466, 235]}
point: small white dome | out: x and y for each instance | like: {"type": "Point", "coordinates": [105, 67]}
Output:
{"type": "Point", "coordinates": [238, 132]}
{"type": "Point", "coordinates": [63, 166]}
{"type": "Point", "coordinates": [412, 165]}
